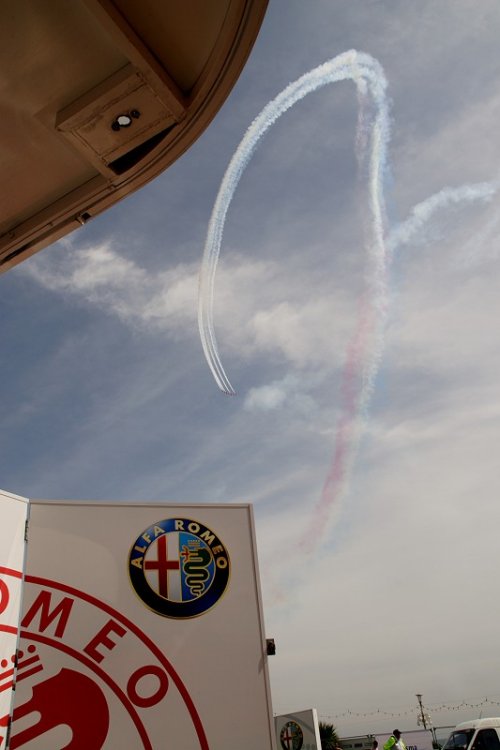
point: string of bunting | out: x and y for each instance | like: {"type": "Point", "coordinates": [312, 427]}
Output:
{"type": "Point", "coordinates": [433, 708]}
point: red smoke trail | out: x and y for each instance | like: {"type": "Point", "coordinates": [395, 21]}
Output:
{"type": "Point", "coordinates": [347, 425]}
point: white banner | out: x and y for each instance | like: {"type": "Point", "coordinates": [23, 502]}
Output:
{"type": "Point", "coordinates": [298, 731]}
{"type": "Point", "coordinates": [419, 739]}
{"type": "Point", "coordinates": [147, 628]}
{"type": "Point", "coordinates": [13, 516]}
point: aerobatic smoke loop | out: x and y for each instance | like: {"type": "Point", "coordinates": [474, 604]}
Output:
{"type": "Point", "coordinates": [364, 354]}
{"type": "Point", "coordinates": [368, 75]}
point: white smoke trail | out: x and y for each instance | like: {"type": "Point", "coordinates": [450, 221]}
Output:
{"type": "Point", "coordinates": [421, 213]}
{"type": "Point", "coordinates": [365, 356]}
{"type": "Point", "coordinates": [367, 74]}
{"type": "Point", "coordinates": [473, 251]}
{"type": "Point", "coordinates": [402, 234]}
{"type": "Point", "coordinates": [365, 351]}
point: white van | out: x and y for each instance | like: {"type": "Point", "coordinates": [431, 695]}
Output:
{"type": "Point", "coordinates": [479, 734]}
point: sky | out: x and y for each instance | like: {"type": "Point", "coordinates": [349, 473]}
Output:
{"type": "Point", "coordinates": [385, 585]}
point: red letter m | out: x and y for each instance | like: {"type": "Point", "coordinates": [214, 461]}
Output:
{"type": "Point", "coordinates": [43, 602]}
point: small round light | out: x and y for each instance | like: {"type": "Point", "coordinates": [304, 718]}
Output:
{"type": "Point", "coordinates": [122, 121]}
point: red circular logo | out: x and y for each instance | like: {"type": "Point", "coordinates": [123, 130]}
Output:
{"type": "Point", "coordinates": [89, 679]}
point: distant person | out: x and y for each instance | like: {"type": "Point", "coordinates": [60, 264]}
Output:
{"type": "Point", "coordinates": [375, 745]}
{"type": "Point", "coordinates": [395, 741]}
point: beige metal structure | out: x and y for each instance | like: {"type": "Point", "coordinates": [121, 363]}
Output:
{"type": "Point", "coordinates": [98, 97]}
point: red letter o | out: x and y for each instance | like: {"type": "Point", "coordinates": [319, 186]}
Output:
{"type": "Point", "coordinates": [4, 596]}
{"type": "Point", "coordinates": [156, 697]}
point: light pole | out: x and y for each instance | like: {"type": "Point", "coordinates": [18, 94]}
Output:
{"type": "Point", "coordinates": [422, 718]}
{"type": "Point", "coordinates": [425, 719]}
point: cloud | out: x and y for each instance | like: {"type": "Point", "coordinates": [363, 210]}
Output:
{"type": "Point", "coordinates": [266, 398]}
{"type": "Point", "coordinates": [288, 392]}
{"type": "Point", "coordinates": [103, 278]}
{"type": "Point", "coordinates": [262, 307]}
